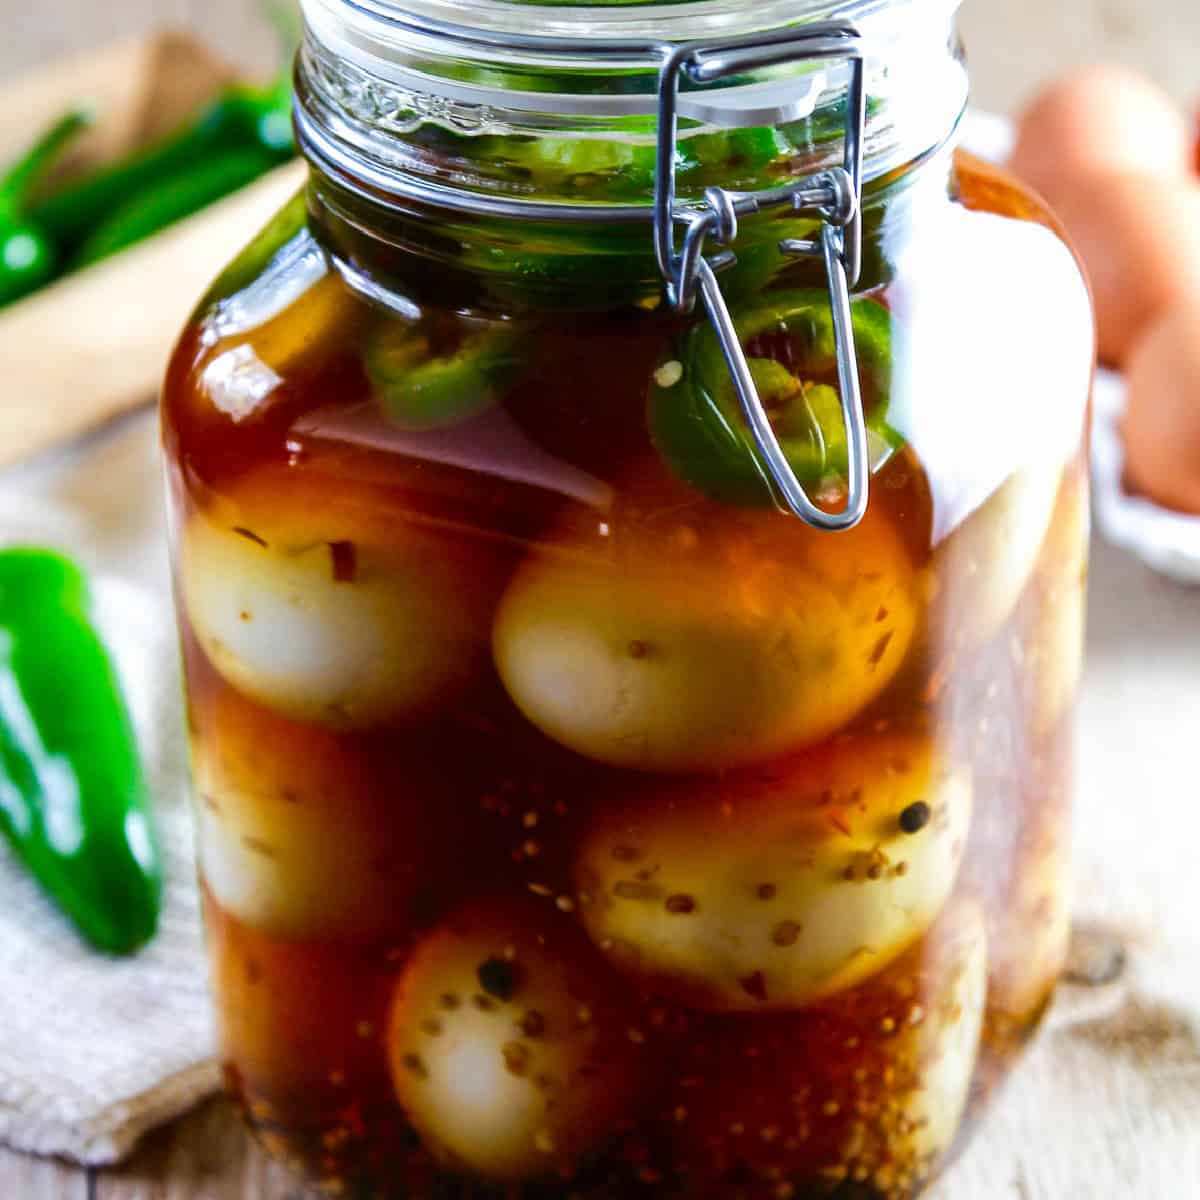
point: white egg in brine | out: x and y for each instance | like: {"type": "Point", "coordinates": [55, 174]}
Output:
{"type": "Point", "coordinates": [328, 612]}
{"type": "Point", "coordinates": [509, 1042]}
{"type": "Point", "coordinates": [710, 661]}
{"type": "Point", "coordinates": [767, 893]}
{"type": "Point", "coordinates": [302, 837]}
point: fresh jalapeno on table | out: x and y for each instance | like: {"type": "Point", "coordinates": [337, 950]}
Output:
{"type": "Point", "coordinates": [28, 254]}
{"type": "Point", "coordinates": [241, 120]}
{"type": "Point", "coordinates": [695, 417]}
{"type": "Point", "coordinates": [73, 802]}
{"type": "Point", "coordinates": [176, 197]}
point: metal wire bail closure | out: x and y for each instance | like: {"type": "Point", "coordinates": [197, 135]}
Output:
{"type": "Point", "coordinates": [835, 195]}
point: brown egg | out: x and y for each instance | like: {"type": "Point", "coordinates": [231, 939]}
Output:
{"type": "Point", "coordinates": [1162, 426]}
{"type": "Point", "coordinates": [1101, 117]}
{"type": "Point", "coordinates": [1139, 238]}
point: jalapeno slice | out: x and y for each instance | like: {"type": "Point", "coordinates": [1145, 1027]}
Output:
{"type": "Point", "coordinates": [427, 378]}
{"type": "Point", "coordinates": [696, 421]}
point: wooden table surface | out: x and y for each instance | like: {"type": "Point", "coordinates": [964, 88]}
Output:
{"type": "Point", "coordinates": [206, 1156]}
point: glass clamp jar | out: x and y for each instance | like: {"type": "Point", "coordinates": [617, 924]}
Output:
{"type": "Point", "coordinates": [629, 517]}
{"type": "Point", "coordinates": [835, 194]}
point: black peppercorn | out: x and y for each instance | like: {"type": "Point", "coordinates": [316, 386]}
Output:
{"type": "Point", "coordinates": [915, 817]}
{"type": "Point", "coordinates": [498, 978]}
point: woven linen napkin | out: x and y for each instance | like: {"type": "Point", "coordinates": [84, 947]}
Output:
{"type": "Point", "coordinates": [94, 1050]}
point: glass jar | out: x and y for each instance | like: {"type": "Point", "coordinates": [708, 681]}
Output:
{"type": "Point", "coordinates": [630, 530]}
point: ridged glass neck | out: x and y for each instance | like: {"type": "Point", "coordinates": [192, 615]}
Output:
{"type": "Point", "coordinates": [457, 94]}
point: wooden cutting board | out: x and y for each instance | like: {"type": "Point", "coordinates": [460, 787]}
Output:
{"type": "Point", "coordinates": [95, 344]}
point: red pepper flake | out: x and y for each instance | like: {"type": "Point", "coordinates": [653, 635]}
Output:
{"type": "Point", "coordinates": [787, 933]}
{"type": "Point", "coordinates": [876, 656]}
{"type": "Point", "coordinates": [344, 559]}
{"type": "Point", "coordinates": [755, 986]}
{"type": "Point", "coordinates": [839, 822]}
{"type": "Point", "coordinates": [532, 1024]}
{"type": "Point", "coordinates": [939, 679]}
{"type": "Point", "coordinates": [516, 1058]}
{"type": "Point", "coordinates": [251, 535]}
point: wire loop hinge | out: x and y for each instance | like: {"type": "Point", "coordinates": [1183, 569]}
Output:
{"type": "Point", "coordinates": [833, 195]}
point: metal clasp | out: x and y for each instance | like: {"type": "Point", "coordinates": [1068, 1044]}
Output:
{"type": "Point", "coordinates": [835, 195]}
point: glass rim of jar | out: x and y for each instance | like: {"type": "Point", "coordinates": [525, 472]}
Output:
{"type": "Point", "coordinates": [375, 26]}
{"type": "Point", "coordinates": [483, 53]}
{"type": "Point", "coordinates": [374, 71]}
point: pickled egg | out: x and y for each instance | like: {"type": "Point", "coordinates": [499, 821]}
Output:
{"type": "Point", "coordinates": [750, 641]}
{"type": "Point", "coordinates": [509, 1042]}
{"type": "Point", "coordinates": [302, 835]}
{"type": "Point", "coordinates": [769, 892]}
{"type": "Point", "coordinates": [1138, 235]}
{"type": "Point", "coordinates": [872, 1085]}
{"type": "Point", "coordinates": [1162, 425]}
{"type": "Point", "coordinates": [1101, 116]}
{"type": "Point", "coordinates": [985, 565]}
{"type": "Point", "coordinates": [328, 606]}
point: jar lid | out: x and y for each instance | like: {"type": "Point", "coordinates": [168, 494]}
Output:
{"type": "Point", "coordinates": [581, 58]}
{"type": "Point", "coordinates": [676, 20]}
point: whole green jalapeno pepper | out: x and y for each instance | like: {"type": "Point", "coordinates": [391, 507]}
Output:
{"type": "Point", "coordinates": [73, 801]}
{"type": "Point", "coordinates": [29, 257]}
{"type": "Point", "coordinates": [696, 421]}
{"type": "Point", "coordinates": [173, 199]}
{"type": "Point", "coordinates": [242, 118]}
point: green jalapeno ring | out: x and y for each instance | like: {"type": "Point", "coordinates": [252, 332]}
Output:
{"type": "Point", "coordinates": [420, 388]}
{"type": "Point", "coordinates": [695, 418]}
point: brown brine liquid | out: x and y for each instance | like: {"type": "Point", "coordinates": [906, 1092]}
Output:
{"type": "Point", "coordinates": [566, 833]}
